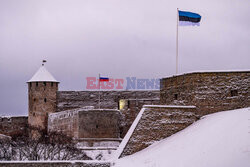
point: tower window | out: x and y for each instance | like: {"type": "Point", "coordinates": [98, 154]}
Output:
{"type": "Point", "coordinates": [52, 84]}
{"type": "Point", "coordinates": [234, 93]}
{"type": "Point", "coordinates": [175, 96]}
{"type": "Point", "coordinates": [97, 126]}
{"type": "Point", "coordinates": [34, 99]}
{"type": "Point", "coordinates": [45, 100]}
{"type": "Point", "coordinates": [36, 84]}
{"type": "Point", "coordinates": [44, 83]}
{"type": "Point", "coordinates": [128, 104]}
{"type": "Point", "coordinates": [30, 84]}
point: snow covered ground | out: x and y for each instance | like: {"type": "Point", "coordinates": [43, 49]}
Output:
{"type": "Point", "coordinates": [217, 140]}
{"type": "Point", "coordinates": [101, 155]}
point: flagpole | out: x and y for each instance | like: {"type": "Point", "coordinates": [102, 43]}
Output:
{"type": "Point", "coordinates": [99, 91]}
{"type": "Point", "coordinates": [177, 31]}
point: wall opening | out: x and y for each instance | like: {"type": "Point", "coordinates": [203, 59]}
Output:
{"type": "Point", "coordinates": [36, 84]}
{"type": "Point", "coordinates": [175, 96]}
{"type": "Point", "coordinates": [52, 84]}
{"type": "Point", "coordinates": [45, 100]}
{"type": "Point", "coordinates": [234, 93]}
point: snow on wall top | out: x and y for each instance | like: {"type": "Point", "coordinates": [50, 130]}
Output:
{"type": "Point", "coordinates": [209, 71]}
{"type": "Point", "coordinates": [167, 106]}
{"type": "Point", "coordinates": [71, 112]}
{"type": "Point", "coordinates": [42, 75]}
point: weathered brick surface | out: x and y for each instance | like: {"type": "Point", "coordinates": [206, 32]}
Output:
{"type": "Point", "coordinates": [14, 126]}
{"type": "Point", "coordinates": [87, 123]}
{"type": "Point", "coordinates": [209, 91]}
{"type": "Point", "coordinates": [55, 164]}
{"type": "Point", "coordinates": [42, 101]}
{"type": "Point", "coordinates": [65, 122]}
{"type": "Point", "coordinates": [156, 124]}
{"type": "Point", "coordinates": [99, 124]}
{"type": "Point", "coordinates": [130, 112]}
{"type": "Point", "coordinates": [109, 99]}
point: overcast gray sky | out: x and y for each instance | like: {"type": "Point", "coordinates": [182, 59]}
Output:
{"type": "Point", "coordinates": [119, 38]}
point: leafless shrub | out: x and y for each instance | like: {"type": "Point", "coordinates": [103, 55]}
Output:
{"type": "Point", "coordinates": [51, 146]}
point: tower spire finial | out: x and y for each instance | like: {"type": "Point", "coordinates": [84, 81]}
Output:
{"type": "Point", "coordinates": [44, 61]}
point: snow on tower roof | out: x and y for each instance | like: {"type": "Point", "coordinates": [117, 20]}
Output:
{"type": "Point", "coordinates": [42, 75]}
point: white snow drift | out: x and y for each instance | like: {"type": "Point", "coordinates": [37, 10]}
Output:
{"type": "Point", "coordinates": [217, 140]}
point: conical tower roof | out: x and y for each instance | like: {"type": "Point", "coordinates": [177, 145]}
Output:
{"type": "Point", "coordinates": [42, 75]}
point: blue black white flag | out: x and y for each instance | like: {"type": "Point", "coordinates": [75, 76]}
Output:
{"type": "Point", "coordinates": [189, 18]}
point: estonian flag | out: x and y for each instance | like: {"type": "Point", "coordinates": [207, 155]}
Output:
{"type": "Point", "coordinates": [189, 18]}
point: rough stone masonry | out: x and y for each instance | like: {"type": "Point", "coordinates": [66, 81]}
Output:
{"type": "Point", "coordinates": [86, 123]}
{"type": "Point", "coordinates": [209, 91]}
{"type": "Point", "coordinates": [157, 123]}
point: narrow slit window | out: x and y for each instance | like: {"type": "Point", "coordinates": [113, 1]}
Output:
{"type": "Point", "coordinates": [175, 96]}
{"type": "Point", "coordinates": [36, 84]}
{"type": "Point", "coordinates": [234, 93]}
{"type": "Point", "coordinates": [45, 100]}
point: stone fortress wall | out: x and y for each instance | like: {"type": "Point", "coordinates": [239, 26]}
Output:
{"type": "Point", "coordinates": [156, 122]}
{"type": "Point", "coordinates": [78, 115]}
{"type": "Point", "coordinates": [133, 102]}
{"type": "Point", "coordinates": [14, 126]}
{"type": "Point", "coordinates": [196, 94]}
{"type": "Point", "coordinates": [109, 99]}
{"type": "Point", "coordinates": [185, 98]}
{"type": "Point", "coordinates": [209, 91]}
{"type": "Point", "coordinates": [69, 101]}
{"type": "Point", "coordinates": [86, 123]}
{"type": "Point", "coordinates": [65, 122]}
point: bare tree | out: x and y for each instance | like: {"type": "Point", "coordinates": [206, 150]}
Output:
{"type": "Point", "coordinates": [51, 146]}
{"type": "Point", "coordinates": [6, 151]}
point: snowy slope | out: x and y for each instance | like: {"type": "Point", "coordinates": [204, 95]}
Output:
{"type": "Point", "coordinates": [217, 140]}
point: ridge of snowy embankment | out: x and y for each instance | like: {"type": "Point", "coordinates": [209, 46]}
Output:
{"type": "Point", "coordinates": [217, 140]}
